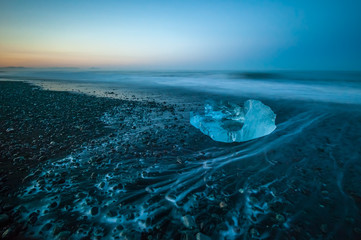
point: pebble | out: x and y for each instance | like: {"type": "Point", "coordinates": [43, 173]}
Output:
{"type": "Point", "coordinates": [254, 233]}
{"type": "Point", "coordinates": [223, 204]}
{"type": "Point", "coordinates": [4, 218]}
{"type": "Point", "coordinates": [149, 189]}
{"type": "Point", "coordinates": [9, 129]}
{"type": "Point", "coordinates": [7, 233]}
{"type": "Point", "coordinates": [64, 235]}
{"type": "Point", "coordinates": [94, 211]}
{"type": "Point", "coordinates": [33, 218]}
{"type": "Point", "coordinates": [188, 222]}
{"type": "Point", "coordinates": [179, 160]}
{"type": "Point", "coordinates": [120, 227]}
{"type": "Point", "coordinates": [280, 218]}
{"type": "Point", "coordinates": [111, 213]}
{"type": "Point", "coordinates": [53, 205]}
{"type": "Point", "coordinates": [8, 207]}
{"type": "Point", "coordinates": [201, 236]}
{"type": "Point", "coordinates": [324, 228]}
{"type": "Point", "coordinates": [46, 227]}
{"type": "Point", "coordinates": [57, 230]}
{"type": "Point", "coordinates": [93, 175]}
{"type": "Point", "coordinates": [61, 181]}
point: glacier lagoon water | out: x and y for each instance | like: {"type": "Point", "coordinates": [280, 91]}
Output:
{"type": "Point", "coordinates": [300, 182]}
{"type": "Point", "coordinates": [228, 122]}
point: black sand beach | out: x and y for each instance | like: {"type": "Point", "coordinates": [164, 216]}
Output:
{"type": "Point", "coordinates": [38, 126]}
{"type": "Point", "coordinates": [75, 166]}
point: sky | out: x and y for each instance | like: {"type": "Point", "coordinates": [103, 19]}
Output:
{"type": "Point", "coordinates": [187, 35]}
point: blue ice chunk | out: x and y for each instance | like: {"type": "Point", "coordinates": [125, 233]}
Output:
{"type": "Point", "coordinates": [228, 122]}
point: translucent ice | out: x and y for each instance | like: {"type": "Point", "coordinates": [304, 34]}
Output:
{"type": "Point", "coordinates": [229, 122]}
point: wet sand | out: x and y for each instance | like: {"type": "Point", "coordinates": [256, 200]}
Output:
{"type": "Point", "coordinates": [130, 166]}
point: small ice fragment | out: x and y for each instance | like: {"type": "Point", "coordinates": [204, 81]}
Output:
{"type": "Point", "coordinates": [9, 129]}
{"type": "Point", "coordinates": [229, 122]}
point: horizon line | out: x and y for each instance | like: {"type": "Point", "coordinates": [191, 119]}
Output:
{"type": "Point", "coordinates": [180, 70]}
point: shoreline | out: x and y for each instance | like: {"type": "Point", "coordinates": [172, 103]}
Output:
{"type": "Point", "coordinates": [137, 168]}
{"type": "Point", "coordinates": [38, 126]}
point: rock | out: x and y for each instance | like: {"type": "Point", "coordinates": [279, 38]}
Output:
{"type": "Point", "coordinates": [9, 129]}
{"type": "Point", "coordinates": [33, 217]}
{"type": "Point", "coordinates": [149, 189]}
{"type": "Point", "coordinates": [64, 235]}
{"type": "Point", "coordinates": [8, 207]}
{"type": "Point", "coordinates": [120, 227]}
{"type": "Point", "coordinates": [53, 205]}
{"type": "Point", "coordinates": [94, 211]}
{"type": "Point", "coordinates": [188, 222]}
{"type": "Point", "coordinates": [4, 219]}
{"type": "Point", "coordinates": [222, 204]}
{"type": "Point", "coordinates": [112, 213]}
{"type": "Point", "coordinates": [46, 227]}
{"type": "Point", "coordinates": [324, 228]}
{"type": "Point", "coordinates": [93, 175]}
{"type": "Point", "coordinates": [254, 233]}
{"type": "Point", "coordinates": [8, 233]}
{"type": "Point", "coordinates": [179, 160]}
{"type": "Point", "coordinates": [57, 230]}
{"type": "Point", "coordinates": [61, 181]}
{"type": "Point", "coordinates": [280, 218]}
{"type": "Point", "coordinates": [201, 236]}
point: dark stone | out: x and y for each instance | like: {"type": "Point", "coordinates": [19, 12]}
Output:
{"type": "Point", "coordinates": [4, 219]}
{"type": "Point", "coordinates": [8, 233]}
{"type": "Point", "coordinates": [57, 230]}
{"type": "Point", "coordinates": [201, 236]}
{"type": "Point", "coordinates": [33, 217]}
{"type": "Point", "coordinates": [64, 235]}
{"type": "Point", "coordinates": [53, 205]}
{"type": "Point", "coordinates": [94, 210]}
{"type": "Point", "coordinates": [61, 181]}
{"type": "Point", "coordinates": [47, 227]}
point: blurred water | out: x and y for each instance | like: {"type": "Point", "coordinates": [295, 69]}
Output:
{"type": "Point", "coordinates": [289, 183]}
{"type": "Point", "coordinates": [300, 182]}
{"type": "Point", "coordinates": [333, 87]}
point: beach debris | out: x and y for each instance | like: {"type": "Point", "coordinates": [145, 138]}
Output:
{"type": "Point", "coordinates": [228, 122]}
